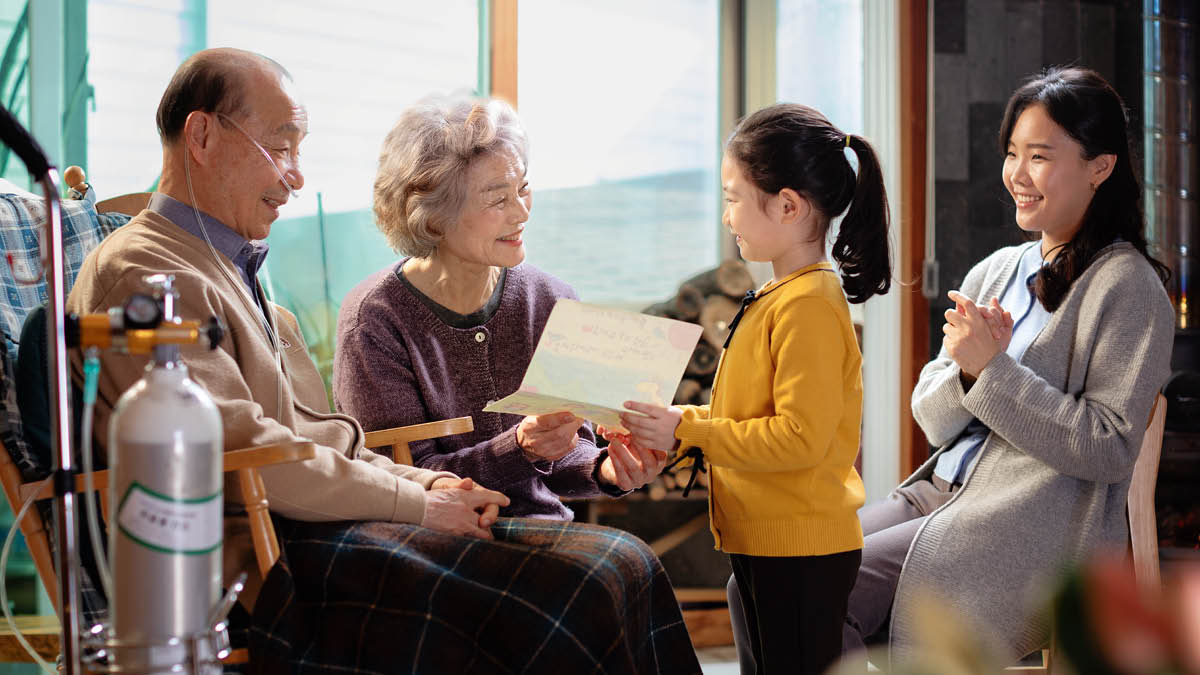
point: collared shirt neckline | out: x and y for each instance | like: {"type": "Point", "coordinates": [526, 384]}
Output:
{"type": "Point", "coordinates": [247, 255]}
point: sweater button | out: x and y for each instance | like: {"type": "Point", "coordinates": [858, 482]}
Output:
{"type": "Point", "coordinates": [480, 337]}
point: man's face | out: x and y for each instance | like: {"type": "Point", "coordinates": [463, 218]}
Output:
{"type": "Point", "coordinates": [251, 191]}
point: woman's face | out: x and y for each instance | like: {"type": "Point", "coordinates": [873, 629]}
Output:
{"type": "Point", "coordinates": [1048, 177]}
{"type": "Point", "coordinates": [493, 217]}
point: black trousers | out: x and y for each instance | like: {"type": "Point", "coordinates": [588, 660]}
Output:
{"type": "Point", "coordinates": [795, 608]}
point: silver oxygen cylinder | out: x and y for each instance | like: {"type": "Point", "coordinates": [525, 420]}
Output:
{"type": "Point", "coordinates": [165, 518]}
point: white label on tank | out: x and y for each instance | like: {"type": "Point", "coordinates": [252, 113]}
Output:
{"type": "Point", "coordinates": [171, 525]}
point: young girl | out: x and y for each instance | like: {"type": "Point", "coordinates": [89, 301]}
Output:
{"type": "Point", "coordinates": [782, 431]}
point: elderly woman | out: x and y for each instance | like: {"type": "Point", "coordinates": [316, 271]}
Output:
{"type": "Point", "coordinates": [454, 325]}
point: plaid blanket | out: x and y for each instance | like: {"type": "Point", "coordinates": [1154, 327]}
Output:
{"type": "Point", "coordinates": [543, 597]}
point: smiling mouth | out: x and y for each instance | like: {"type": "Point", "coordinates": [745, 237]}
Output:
{"type": "Point", "coordinates": [516, 236]}
{"type": "Point", "coordinates": [1026, 200]}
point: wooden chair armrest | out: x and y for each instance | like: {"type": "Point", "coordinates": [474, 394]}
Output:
{"type": "Point", "coordinates": [246, 458]}
{"type": "Point", "coordinates": [130, 204]}
{"type": "Point", "coordinates": [418, 432]}
{"type": "Point", "coordinates": [269, 455]}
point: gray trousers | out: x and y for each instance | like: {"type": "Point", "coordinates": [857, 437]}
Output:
{"type": "Point", "coordinates": [888, 530]}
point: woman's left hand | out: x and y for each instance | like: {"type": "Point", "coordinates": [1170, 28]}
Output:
{"type": "Point", "coordinates": [629, 466]}
{"type": "Point", "coordinates": [969, 338]}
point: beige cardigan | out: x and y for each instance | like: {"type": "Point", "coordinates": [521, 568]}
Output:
{"type": "Point", "coordinates": [343, 482]}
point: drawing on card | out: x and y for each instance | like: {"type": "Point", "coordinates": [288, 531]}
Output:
{"type": "Point", "coordinates": [591, 359]}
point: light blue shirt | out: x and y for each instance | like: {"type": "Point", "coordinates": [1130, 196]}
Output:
{"type": "Point", "coordinates": [1029, 317]}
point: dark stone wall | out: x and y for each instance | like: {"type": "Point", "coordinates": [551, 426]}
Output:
{"type": "Point", "coordinates": [983, 50]}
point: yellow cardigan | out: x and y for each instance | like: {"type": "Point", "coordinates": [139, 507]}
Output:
{"type": "Point", "coordinates": [782, 431]}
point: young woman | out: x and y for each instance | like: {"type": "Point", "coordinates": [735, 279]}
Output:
{"type": "Point", "coordinates": [1052, 356]}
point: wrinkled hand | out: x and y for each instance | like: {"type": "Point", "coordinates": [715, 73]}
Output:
{"type": "Point", "coordinates": [460, 506]}
{"type": "Point", "coordinates": [968, 336]}
{"type": "Point", "coordinates": [654, 429]}
{"type": "Point", "coordinates": [630, 467]}
{"type": "Point", "coordinates": [548, 437]}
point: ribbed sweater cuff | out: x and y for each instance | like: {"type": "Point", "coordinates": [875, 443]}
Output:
{"type": "Point", "coordinates": [410, 502]}
{"type": "Point", "coordinates": [511, 465]}
{"type": "Point", "coordinates": [990, 394]}
{"type": "Point", "coordinates": [693, 432]}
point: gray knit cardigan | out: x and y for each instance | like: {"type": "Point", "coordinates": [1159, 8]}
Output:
{"type": "Point", "coordinates": [1052, 477]}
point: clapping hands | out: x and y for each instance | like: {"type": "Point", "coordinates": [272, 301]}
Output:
{"type": "Point", "coordinates": [974, 334]}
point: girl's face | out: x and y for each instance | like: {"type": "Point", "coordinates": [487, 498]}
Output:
{"type": "Point", "coordinates": [1048, 177]}
{"type": "Point", "coordinates": [493, 217]}
{"type": "Point", "coordinates": [755, 223]}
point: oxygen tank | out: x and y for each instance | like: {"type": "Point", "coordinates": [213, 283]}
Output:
{"type": "Point", "coordinates": [165, 518]}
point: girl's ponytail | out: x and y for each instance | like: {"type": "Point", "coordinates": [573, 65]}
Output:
{"type": "Point", "coordinates": [862, 247]}
{"type": "Point", "coordinates": [788, 145]}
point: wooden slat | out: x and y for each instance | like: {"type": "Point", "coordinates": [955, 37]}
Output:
{"type": "Point", "coordinates": [262, 531]}
{"type": "Point", "coordinates": [1143, 524]}
{"type": "Point", "coordinates": [914, 308]}
{"type": "Point", "coordinates": [32, 526]}
{"type": "Point", "coordinates": [42, 632]}
{"type": "Point", "coordinates": [235, 460]}
{"type": "Point", "coordinates": [679, 535]}
{"type": "Point", "coordinates": [130, 204]}
{"type": "Point", "coordinates": [700, 595]}
{"type": "Point", "coordinates": [504, 50]}
{"type": "Point", "coordinates": [418, 432]}
{"type": "Point", "coordinates": [709, 627]}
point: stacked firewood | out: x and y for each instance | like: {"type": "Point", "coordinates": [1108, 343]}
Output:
{"type": "Point", "coordinates": [710, 299]}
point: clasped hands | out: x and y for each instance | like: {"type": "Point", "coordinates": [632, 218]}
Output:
{"type": "Point", "coordinates": [974, 334]}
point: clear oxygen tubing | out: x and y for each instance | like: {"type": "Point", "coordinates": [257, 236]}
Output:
{"type": "Point", "coordinates": [243, 292]}
{"type": "Point", "coordinates": [91, 375]}
{"type": "Point", "coordinates": [12, 624]}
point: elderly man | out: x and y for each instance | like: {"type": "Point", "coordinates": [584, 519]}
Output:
{"type": "Point", "coordinates": [370, 547]}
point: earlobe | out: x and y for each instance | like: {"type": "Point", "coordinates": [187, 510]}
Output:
{"type": "Point", "coordinates": [793, 206]}
{"type": "Point", "coordinates": [1102, 168]}
{"type": "Point", "coordinates": [197, 130]}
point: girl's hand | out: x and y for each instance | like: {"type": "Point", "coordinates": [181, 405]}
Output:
{"type": "Point", "coordinates": [630, 467]}
{"type": "Point", "coordinates": [548, 437]}
{"type": "Point", "coordinates": [655, 428]}
{"type": "Point", "coordinates": [969, 338]}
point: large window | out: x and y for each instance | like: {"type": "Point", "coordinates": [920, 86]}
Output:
{"type": "Point", "coordinates": [620, 102]}
{"type": "Point", "coordinates": [355, 67]}
{"type": "Point", "coordinates": [819, 58]}
{"type": "Point", "coordinates": [14, 79]}
{"type": "Point", "coordinates": [133, 49]}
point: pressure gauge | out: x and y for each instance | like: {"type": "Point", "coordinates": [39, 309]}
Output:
{"type": "Point", "coordinates": [142, 311]}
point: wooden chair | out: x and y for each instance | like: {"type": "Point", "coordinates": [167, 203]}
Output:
{"type": "Point", "coordinates": [1143, 524]}
{"type": "Point", "coordinates": [245, 462]}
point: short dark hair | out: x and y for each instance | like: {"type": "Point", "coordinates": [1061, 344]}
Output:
{"type": "Point", "coordinates": [209, 81]}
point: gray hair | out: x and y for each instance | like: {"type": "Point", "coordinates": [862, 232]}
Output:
{"type": "Point", "coordinates": [421, 185]}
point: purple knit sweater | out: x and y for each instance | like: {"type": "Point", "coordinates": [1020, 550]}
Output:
{"type": "Point", "coordinates": [397, 364]}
